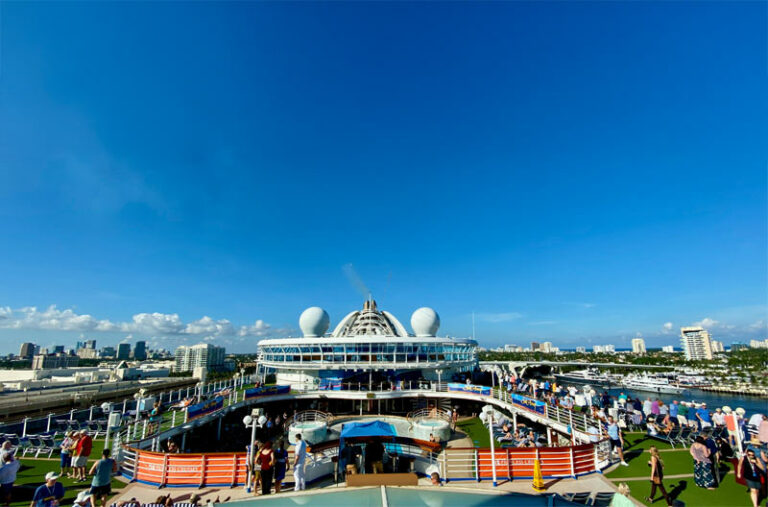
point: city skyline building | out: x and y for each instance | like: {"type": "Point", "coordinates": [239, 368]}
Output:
{"type": "Point", "coordinates": [27, 350]}
{"type": "Point", "coordinates": [51, 361]}
{"type": "Point", "coordinates": [202, 355]}
{"type": "Point", "coordinates": [638, 346]}
{"type": "Point", "coordinates": [140, 350]}
{"type": "Point", "coordinates": [696, 342]}
{"type": "Point", "coordinates": [123, 351]}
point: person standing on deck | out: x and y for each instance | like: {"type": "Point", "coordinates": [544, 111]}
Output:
{"type": "Point", "coordinates": [101, 485]}
{"type": "Point", "coordinates": [657, 476]}
{"type": "Point", "coordinates": [702, 465]}
{"type": "Point", "coordinates": [299, 457]}
{"type": "Point", "coordinates": [617, 439]}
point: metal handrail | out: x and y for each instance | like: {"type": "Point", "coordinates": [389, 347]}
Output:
{"type": "Point", "coordinates": [428, 413]}
{"type": "Point", "coordinates": [309, 416]}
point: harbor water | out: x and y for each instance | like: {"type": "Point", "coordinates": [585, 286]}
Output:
{"type": "Point", "coordinates": [752, 404]}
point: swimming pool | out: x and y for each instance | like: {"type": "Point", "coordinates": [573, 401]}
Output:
{"type": "Point", "coordinates": [404, 496]}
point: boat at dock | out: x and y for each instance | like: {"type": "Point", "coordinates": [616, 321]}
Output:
{"type": "Point", "coordinates": [659, 385]}
{"type": "Point", "coordinates": [588, 376]}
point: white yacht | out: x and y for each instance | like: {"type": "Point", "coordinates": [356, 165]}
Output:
{"type": "Point", "coordinates": [587, 376]}
{"type": "Point", "coordinates": [658, 385]}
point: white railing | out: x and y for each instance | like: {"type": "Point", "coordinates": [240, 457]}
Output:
{"type": "Point", "coordinates": [428, 413]}
{"type": "Point", "coordinates": [309, 416]}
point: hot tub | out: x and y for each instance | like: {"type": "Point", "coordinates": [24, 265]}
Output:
{"type": "Point", "coordinates": [438, 427]}
{"type": "Point", "coordinates": [312, 432]}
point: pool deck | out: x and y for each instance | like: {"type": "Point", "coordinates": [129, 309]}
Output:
{"type": "Point", "coordinates": [588, 483]}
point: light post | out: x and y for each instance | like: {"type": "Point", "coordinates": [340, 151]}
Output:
{"type": "Point", "coordinates": [439, 378]}
{"type": "Point", "coordinates": [250, 422]}
{"type": "Point", "coordinates": [493, 451]}
{"type": "Point", "coordinates": [107, 408]}
{"type": "Point", "coordinates": [139, 396]}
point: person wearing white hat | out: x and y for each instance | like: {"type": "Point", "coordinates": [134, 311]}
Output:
{"type": "Point", "coordinates": [83, 499]}
{"type": "Point", "coordinates": [50, 493]}
{"type": "Point", "coordinates": [9, 467]}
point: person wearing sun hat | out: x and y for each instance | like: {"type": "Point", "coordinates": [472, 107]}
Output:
{"type": "Point", "coordinates": [50, 493]}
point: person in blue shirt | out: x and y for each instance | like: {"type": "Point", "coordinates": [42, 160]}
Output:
{"type": "Point", "coordinates": [101, 485]}
{"type": "Point", "coordinates": [673, 410]}
{"type": "Point", "coordinates": [617, 439]}
{"type": "Point", "coordinates": [50, 493]}
{"type": "Point", "coordinates": [702, 414]}
{"type": "Point", "coordinates": [281, 465]}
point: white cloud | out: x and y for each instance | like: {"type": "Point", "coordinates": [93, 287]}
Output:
{"type": "Point", "coordinates": [707, 323]}
{"type": "Point", "coordinates": [155, 323]}
{"type": "Point", "coordinates": [542, 323]}
{"type": "Point", "coordinates": [258, 328]}
{"type": "Point", "coordinates": [499, 317]}
{"type": "Point", "coordinates": [582, 305]}
{"type": "Point", "coordinates": [760, 324]}
{"type": "Point", "coordinates": [667, 327]}
{"type": "Point", "coordinates": [30, 317]}
{"type": "Point", "coordinates": [209, 326]}
{"type": "Point", "coordinates": [151, 324]}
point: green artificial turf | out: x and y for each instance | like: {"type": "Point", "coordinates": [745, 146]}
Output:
{"type": "Point", "coordinates": [32, 473]}
{"type": "Point", "coordinates": [675, 462]}
{"type": "Point", "coordinates": [476, 431]}
{"type": "Point", "coordinates": [684, 491]}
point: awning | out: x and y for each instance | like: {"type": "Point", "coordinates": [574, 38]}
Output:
{"type": "Point", "coordinates": [367, 429]}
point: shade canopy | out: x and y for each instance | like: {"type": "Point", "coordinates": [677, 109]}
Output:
{"type": "Point", "coordinates": [366, 429]}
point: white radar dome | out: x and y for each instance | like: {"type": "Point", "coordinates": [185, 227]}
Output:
{"type": "Point", "coordinates": [425, 322]}
{"type": "Point", "coordinates": [314, 322]}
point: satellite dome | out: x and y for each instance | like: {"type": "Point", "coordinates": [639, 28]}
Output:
{"type": "Point", "coordinates": [314, 322]}
{"type": "Point", "coordinates": [425, 322]}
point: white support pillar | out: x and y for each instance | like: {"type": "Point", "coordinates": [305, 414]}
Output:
{"type": "Point", "coordinates": [48, 425]}
{"type": "Point", "coordinates": [72, 415]}
{"type": "Point", "coordinates": [173, 419]}
{"type": "Point", "coordinates": [144, 430]}
{"type": "Point", "coordinates": [90, 414]}
{"type": "Point", "coordinates": [573, 464]}
{"type": "Point", "coordinates": [24, 428]}
{"type": "Point", "coordinates": [493, 450]}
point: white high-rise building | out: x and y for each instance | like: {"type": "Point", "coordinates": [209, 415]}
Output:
{"type": "Point", "coordinates": [758, 344]}
{"type": "Point", "coordinates": [546, 348]}
{"type": "Point", "coordinates": [669, 349]}
{"type": "Point", "coordinates": [717, 346]}
{"type": "Point", "coordinates": [638, 346]}
{"type": "Point", "coordinates": [202, 355]}
{"type": "Point", "coordinates": [696, 342]}
{"type": "Point", "coordinates": [581, 350]}
{"type": "Point", "coordinates": [610, 349]}
{"type": "Point", "coordinates": [598, 349]}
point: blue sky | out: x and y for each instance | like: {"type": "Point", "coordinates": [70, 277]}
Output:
{"type": "Point", "coordinates": [573, 172]}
